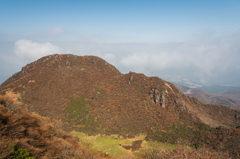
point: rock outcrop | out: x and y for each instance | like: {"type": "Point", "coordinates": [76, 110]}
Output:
{"type": "Point", "coordinates": [163, 100]}
{"type": "Point", "coordinates": [130, 79]}
{"type": "Point", "coordinates": [158, 97]}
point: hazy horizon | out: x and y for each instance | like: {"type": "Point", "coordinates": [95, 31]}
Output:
{"type": "Point", "coordinates": [174, 40]}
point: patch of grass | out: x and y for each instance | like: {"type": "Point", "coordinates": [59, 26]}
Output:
{"type": "Point", "coordinates": [78, 112]}
{"type": "Point", "coordinates": [104, 144]}
{"type": "Point", "coordinates": [111, 146]}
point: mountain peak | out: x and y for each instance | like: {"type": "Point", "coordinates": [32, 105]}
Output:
{"type": "Point", "coordinates": [54, 81]}
{"type": "Point", "coordinates": [92, 96]}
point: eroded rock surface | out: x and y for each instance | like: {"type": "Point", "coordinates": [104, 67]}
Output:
{"type": "Point", "coordinates": [130, 79]}
{"type": "Point", "coordinates": [163, 100]}
{"type": "Point", "coordinates": [158, 97]}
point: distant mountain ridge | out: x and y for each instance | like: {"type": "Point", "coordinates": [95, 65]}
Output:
{"type": "Point", "coordinates": [215, 89]}
{"type": "Point", "coordinates": [233, 93]}
{"type": "Point", "coordinates": [229, 97]}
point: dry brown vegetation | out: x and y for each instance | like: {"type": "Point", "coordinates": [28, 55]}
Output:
{"type": "Point", "coordinates": [44, 138]}
{"type": "Point", "coordinates": [39, 135]}
{"type": "Point", "coordinates": [185, 154]}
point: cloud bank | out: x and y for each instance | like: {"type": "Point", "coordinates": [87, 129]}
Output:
{"type": "Point", "coordinates": [206, 58]}
{"type": "Point", "coordinates": [203, 58]}
{"type": "Point", "coordinates": [26, 49]}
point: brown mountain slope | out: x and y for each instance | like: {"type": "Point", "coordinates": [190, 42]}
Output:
{"type": "Point", "coordinates": [92, 95]}
{"type": "Point", "coordinates": [222, 98]}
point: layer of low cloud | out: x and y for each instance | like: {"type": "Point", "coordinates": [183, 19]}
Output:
{"type": "Point", "coordinates": [206, 58]}
{"type": "Point", "coordinates": [26, 49]}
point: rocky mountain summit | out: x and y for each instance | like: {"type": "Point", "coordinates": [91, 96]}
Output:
{"type": "Point", "coordinates": [92, 96]}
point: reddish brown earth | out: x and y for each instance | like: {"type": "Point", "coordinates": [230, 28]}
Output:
{"type": "Point", "coordinates": [104, 99]}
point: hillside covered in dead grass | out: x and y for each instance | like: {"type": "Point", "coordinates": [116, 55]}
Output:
{"type": "Point", "coordinates": [42, 137]}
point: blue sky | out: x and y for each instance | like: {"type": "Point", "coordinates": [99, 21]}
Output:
{"type": "Point", "coordinates": [197, 40]}
{"type": "Point", "coordinates": [112, 19]}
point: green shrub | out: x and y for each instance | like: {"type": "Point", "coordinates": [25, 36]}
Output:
{"type": "Point", "coordinates": [20, 153]}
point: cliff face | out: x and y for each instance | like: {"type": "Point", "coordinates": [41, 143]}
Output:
{"type": "Point", "coordinates": [91, 95]}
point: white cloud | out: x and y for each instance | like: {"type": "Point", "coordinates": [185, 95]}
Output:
{"type": "Point", "coordinates": [203, 56]}
{"type": "Point", "coordinates": [109, 57]}
{"type": "Point", "coordinates": [57, 30]}
{"type": "Point", "coordinates": [32, 50]}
